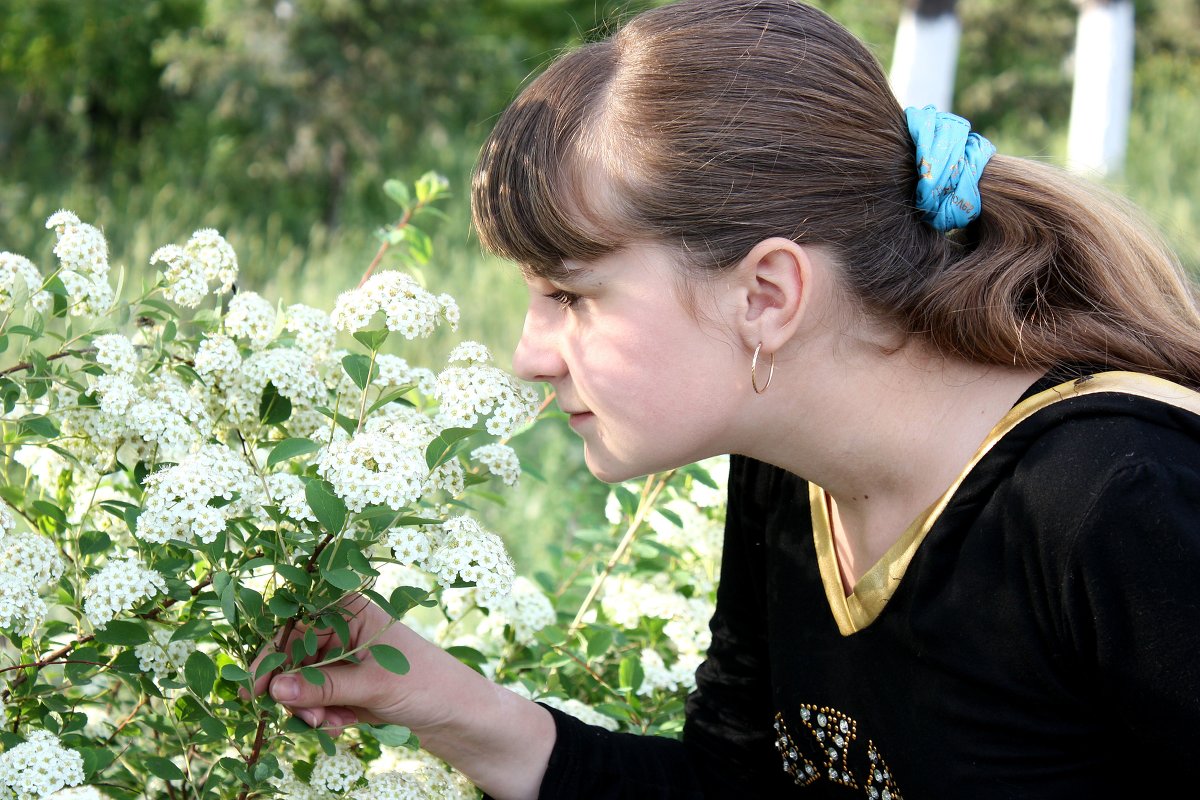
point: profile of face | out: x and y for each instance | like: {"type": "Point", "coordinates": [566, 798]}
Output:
{"type": "Point", "coordinates": [648, 383]}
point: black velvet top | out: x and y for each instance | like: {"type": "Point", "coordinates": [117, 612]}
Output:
{"type": "Point", "coordinates": [1037, 638]}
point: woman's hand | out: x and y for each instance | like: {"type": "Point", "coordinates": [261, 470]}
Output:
{"type": "Point", "coordinates": [495, 737]}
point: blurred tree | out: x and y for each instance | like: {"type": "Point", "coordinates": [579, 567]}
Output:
{"type": "Point", "coordinates": [1103, 86]}
{"type": "Point", "coordinates": [926, 54]}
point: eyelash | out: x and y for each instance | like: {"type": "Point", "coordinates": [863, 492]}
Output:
{"type": "Point", "coordinates": [564, 298]}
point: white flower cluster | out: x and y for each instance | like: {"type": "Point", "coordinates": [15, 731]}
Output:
{"type": "Point", "coordinates": [20, 281]}
{"type": "Point", "coordinates": [84, 256]}
{"type": "Point", "coordinates": [527, 610]}
{"type": "Point", "coordinates": [218, 355]}
{"type": "Point", "coordinates": [469, 553]}
{"type": "Point", "coordinates": [395, 371]}
{"type": "Point", "coordinates": [167, 412]}
{"type": "Point", "coordinates": [252, 317]}
{"type": "Point", "coordinates": [336, 773]}
{"type": "Point", "coordinates": [8, 522]}
{"type": "Point", "coordinates": [402, 774]}
{"type": "Point", "coordinates": [179, 500]}
{"type": "Point", "coordinates": [408, 308]}
{"type": "Point", "coordinates": [162, 656]}
{"type": "Point", "coordinates": [500, 460]}
{"type": "Point", "coordinates": [292, 372]}
{"type": "Point", "coordinates": [479, 390]}
{"type": "Point", "coordinates": [118, 587]}
{"type": "Point", "coordinates": [657, 676]}
{"type": "Point", "coordinates": [581, 711]}
{"type": "Point", "coordinates": [286, 491]}
{"type": "Point", "coordinates": [116, 390]}
{"type": "Point", "coordinates": [705, 496]}
{"type": "Point", "coordinates": [314, 329]}
{"type": "Point", "coordinates": [189, 269]}
{"type": "Point", "coordinates": [626, 599]}
{"type": "Point", "coordinates": [371, 469]}
{"type": "Point", "coordinates": [28, 562]}
{"type": "Point", "coordinates": [39, 766]}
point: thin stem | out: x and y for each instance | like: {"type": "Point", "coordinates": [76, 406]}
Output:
{"type": "Point", "coordinates": [650, 492]}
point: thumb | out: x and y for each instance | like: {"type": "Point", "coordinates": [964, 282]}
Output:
{"type": "Point", "coordinates": [344, 685]}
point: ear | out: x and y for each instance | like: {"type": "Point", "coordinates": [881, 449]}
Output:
{"type": "Point", "coordinates": [773, 287]}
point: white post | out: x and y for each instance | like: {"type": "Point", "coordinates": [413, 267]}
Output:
{"type": "Point", "coordinates": [1103, 87]}
{"type": "Point", "coordinates": [926, 55]}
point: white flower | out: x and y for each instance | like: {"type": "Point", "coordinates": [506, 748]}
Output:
{"type": "Point", "coordinates": [313, 328]}
{"type": "Point", "coordinates": [20, 280]}
{"type": "Point", "coordinates": [179, 500]}
{"type": "Point", "coordinates": [218, 355]}
{"type": "Point", "coordinates": [373, 468]}
{"type": "Point", "coordinates": [470, 351]}
{"type": "Point", "coordinates": [32, 558]}
{"type": "Point", "coordinates": [706, 496]}
{"type": "Point", "coordinates": [121, 585]}
{"type": "Point", "coordinates": [469, 553]}
{"type": "Point", "coordinates": [162, 656]}
{"type": "Point", "coordinates": [336, 773]}
{"type": "Point", "coordinates": [527, 609]}
{"type": "Point", "coordinates": [80, 793]}
{"type": "Point", "coordinates": [21, 610]}
{"type": "Point", "coordinates": [579, 710]}
{"type": "Point", "coordinates": [408, 308]}
{"type": "Point", "coordinates": [81, 247]}
{"type": "Point", "coordinates": [117, 353]}
{"type": "Point", "coordinates": [474, 391]}
{"type": "Point", "coordinates": [251, 316]}
{"type": "Point", "coordinates": [500, 460]}
{"type": "Point", "coordinates": [287, 493]}
{"type": "Point", "coordinates": [7, 521]}
{"type": "Point", "coordinates": [292, 788]}
{"type": "Point", "coordinates": [184, 276]}
{"type": "Point", "coordinates": [39, 766]}
{"type": "Point", "coordinates": [657, 676]}
{"type": "Point", "coordinates": [216, 257]}
{"type": "Point", "coordinates": [168, 413]}
{"type": "Point", "coordinates": [410, 546]}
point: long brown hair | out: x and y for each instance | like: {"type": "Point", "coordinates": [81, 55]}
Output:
{"type": "Point", "coordinates": [715, 124]}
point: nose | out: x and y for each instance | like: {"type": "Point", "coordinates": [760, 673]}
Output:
{"type": "Point", "coordinates": [538, 356]}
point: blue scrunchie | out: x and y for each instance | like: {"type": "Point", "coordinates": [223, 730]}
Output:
{"type": "Point", "coordinates": [950, 160]}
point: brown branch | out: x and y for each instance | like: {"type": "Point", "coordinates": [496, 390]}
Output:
{"type": "Point", "coordinates": [259, 737]}
{"type": "Point", "coordinates": [24, 365]}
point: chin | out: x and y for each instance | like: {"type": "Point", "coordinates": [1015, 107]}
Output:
{"type": "Point", "coordinates": [612, 470]}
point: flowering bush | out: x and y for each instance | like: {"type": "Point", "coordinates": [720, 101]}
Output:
{"type": "Point", "coordinates": [189, 472]}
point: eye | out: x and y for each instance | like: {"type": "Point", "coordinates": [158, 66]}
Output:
{"type": "Point", "coordinates": [564, 298]}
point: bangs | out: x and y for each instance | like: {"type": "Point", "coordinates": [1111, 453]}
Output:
{"type": "Point", "coordinates": [543, 192]}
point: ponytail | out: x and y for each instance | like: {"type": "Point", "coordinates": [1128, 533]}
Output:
{"type": "Point", "coordinates": [1058, 270]}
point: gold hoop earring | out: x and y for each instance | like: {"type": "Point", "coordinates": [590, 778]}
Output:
{"type": "Point", "coordinates": [754, 368]}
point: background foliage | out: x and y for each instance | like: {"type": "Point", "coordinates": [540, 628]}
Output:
{"type": "Point", "coordinates": [277, 121]}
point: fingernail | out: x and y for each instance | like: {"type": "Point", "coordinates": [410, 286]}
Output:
{"type": "Point", "coordinates": [309, 716]}
{"type": "Point", "coordinates": [285, 688]}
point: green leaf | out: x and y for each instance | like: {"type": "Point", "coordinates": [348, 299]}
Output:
{"type": "Point", "coordinates": [390, 735]}
{"type": "Point", "coordinates": [163, 768]}
{"type": "Point", "coordinates": [290, 448]}
{"type": "Point", "coordinates": [294, 574]}
{"type": "Point", "coordinates": [344, 579]}
{"type": "Point", "coordinates": [313, 675]}
{"type": "Point", "coordinates": [397, 191]}
{"type": "Point", "coordinates": [232, 672]}
{"type": "Point", "coordinates": [630, 674]}
{"type": "Point", "coordinates": [169, 331]}
{"type": "Point", "coordinates": [282, 607]}
{"type": "Point", "coordinates": [328, 508]}
{"type": "Point", "coordinates": [269, 663]}
{"type": "Point", "coordinates": [92, 542]}
{"type": "Point", "coordinates": [37, 425]}
{"type": "Point", "coordinates": [348, 424]}
{"type": "Point", "coordinates": [390, 658]}
{"type": "Point", "coordinates": [123, 633]}
{"type": "Point", "coordinates": [96, 759]}
{"type": "Point", "coordinates": [78, 672]}
{"type": "Point", "coordinates": [372, 339]}
{"type": "Point", "coordinates": [194, 628]}
{"type": "Point", "coordinates": [359, 368]}
{"type": "Point", "coordinates": [200, 673]}
{"type": "Point", "coordinates": [273, 408]}
{"type": "Point", "coordinates": [405, 598]}
{"type": "Point", "coordinates": [599, 642]}
{"type": "Point", "coordinates": [420, 246]}
{"type": "Point", "coordinates": [396, 395]}
{"type": "Point", "coordinates": [10, 393]}
{"type": "Point", "coordinates": [442, 448]}
{"type": "Point", "coordinates": [310, 642]}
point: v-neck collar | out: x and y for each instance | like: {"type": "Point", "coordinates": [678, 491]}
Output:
{"type": "Point", "coordinates": [875, 588]}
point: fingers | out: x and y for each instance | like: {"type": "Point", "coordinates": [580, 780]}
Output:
{"type": "Point", "coordinates": [345, 685]}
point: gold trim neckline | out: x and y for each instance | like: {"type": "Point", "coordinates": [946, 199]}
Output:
{"type": "Point", "coordinates": [875, 588]}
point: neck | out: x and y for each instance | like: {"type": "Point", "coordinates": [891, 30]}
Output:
{"type": "Point", "coordinates": [884, 433]}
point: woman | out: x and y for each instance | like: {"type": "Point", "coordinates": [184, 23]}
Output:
{"type": "Point", "coordinates": [985, 582]}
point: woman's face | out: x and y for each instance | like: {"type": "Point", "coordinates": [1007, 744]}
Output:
{"type": "Point", "coordinates": [647, 384]}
